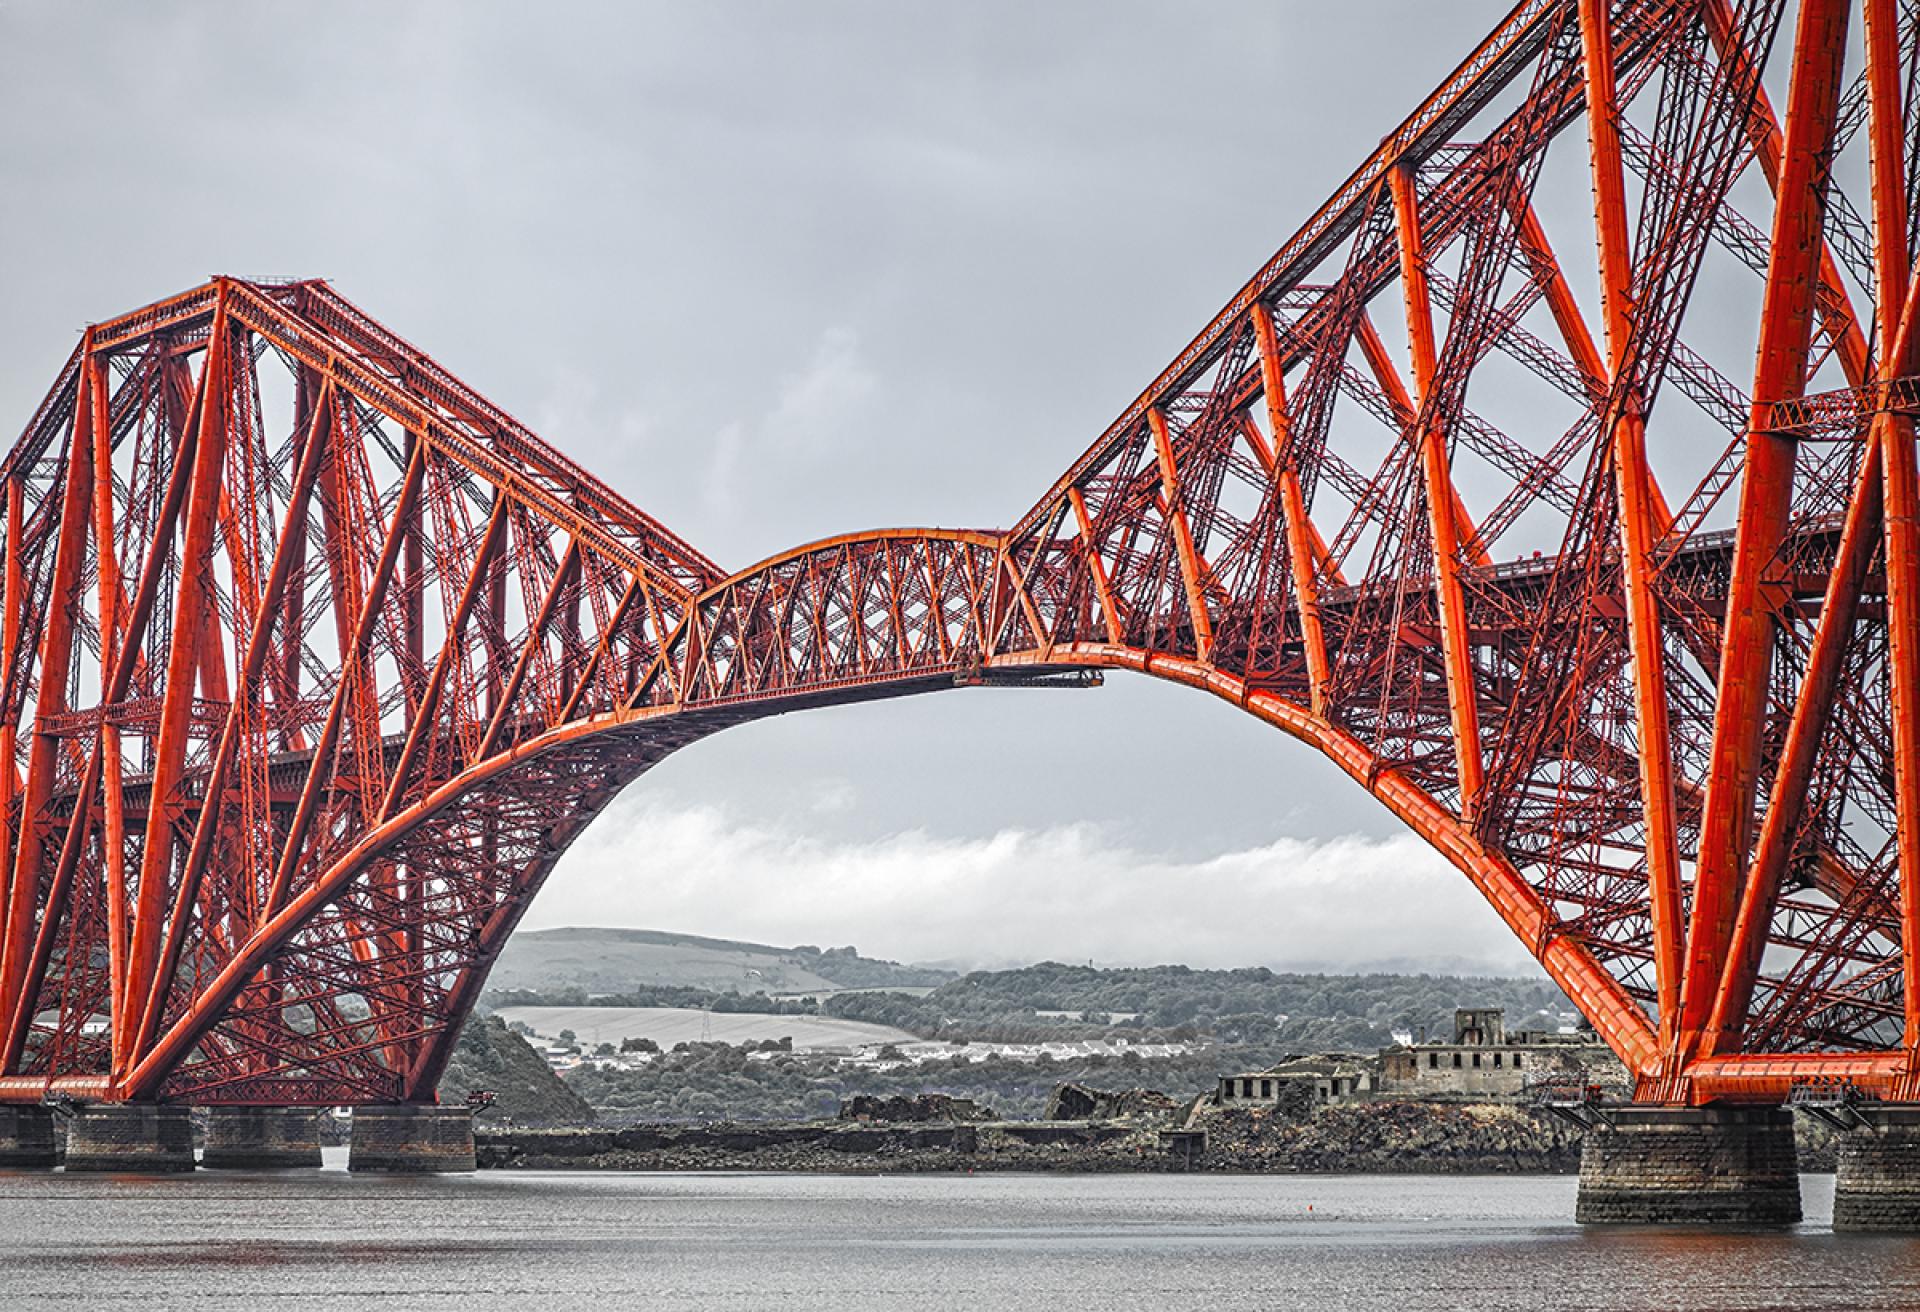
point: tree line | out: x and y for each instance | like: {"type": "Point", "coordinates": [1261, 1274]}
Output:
{"type": "Point", "coordinates": [1253, 1006]}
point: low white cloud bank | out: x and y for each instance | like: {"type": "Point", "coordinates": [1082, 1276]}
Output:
{"type": "Point", "coordinates": [1066, 893]}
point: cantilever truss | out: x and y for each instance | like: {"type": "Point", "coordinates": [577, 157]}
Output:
{"type": "Point", "coordinates": [315, 662]}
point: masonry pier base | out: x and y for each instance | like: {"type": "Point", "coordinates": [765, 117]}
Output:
{"type": "Point", "coordinates": [411, 1138]}
{"type": "Point", "coordinates": [261, 1138]}
{"type": "Point", "coordinates": [1877, 1184]}
{"type": "Point", "coordinates": [1671, 1165]}
{"type": "Point", "coordinates": [134, 1137]}
{"type": "Point", "coordinates": [26, 1137]}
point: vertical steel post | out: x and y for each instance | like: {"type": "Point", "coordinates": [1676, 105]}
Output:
{"type": "Point", "coordinates": [1766, 491]}
{"type": "Point", "coordinates": [1462, 693]}
{"type": "Point", "coordinates": [1641, 518]}
{"type": "Point", "coordinates": [1293, 509]}
{"type": "Point", "coordinates": [184, 661]}
{"type": "Point", "coordinates": [56, 649]}
{"type": "Point", "coordinates": [1183, 535]}
{"type": "Point", "coordinates": [1893, 435]}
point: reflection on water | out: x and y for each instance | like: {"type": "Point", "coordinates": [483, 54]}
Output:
{"type": "Point", "coordinates": [1220, 1243]}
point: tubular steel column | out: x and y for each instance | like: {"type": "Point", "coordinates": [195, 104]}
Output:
{"type": "Point", "coordinates": [1462, 695]}
{"type": "Point", "coordinates": [145, 984]}
{"type": "Point", "coordinates": [1785, 806]}
{"type": "Point", "coordinates": [1183, 534]}
{"type": "Point", "coordinates": [1637, 496]}
{"type": "Point", "coordinates": [1766, 490]}
{"type": "Point", "coordinates": [1893, 437]}
{"type": "Point", "coordinates": [112, 786]}
{"type": "Point", "coordinates": [1293, 506]}
{"type": "Point", "coordinates": [23, 951]}
{"type": "Point", "coordinates": [13, 597]}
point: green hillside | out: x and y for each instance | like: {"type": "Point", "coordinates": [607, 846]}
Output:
{"type": "Point", "coordinates": [490, 1057]}
{"type": "Point", "coordinates": [616, 960]}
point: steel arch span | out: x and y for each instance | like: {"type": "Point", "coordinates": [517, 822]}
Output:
{"type": "Point", "coordinates": [315, 661]}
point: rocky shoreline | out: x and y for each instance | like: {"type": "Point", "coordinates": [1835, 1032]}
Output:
{"type": "Point", "coordinates": [1366, 1138]}
{"type": "Point", "coordinates": [830, 1147]}
{"type": "Point", "coordinates": [1389, 1138]}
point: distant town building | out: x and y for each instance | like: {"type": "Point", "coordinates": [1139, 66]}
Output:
{"type": "Point", "coordinates": [1484, 1061]}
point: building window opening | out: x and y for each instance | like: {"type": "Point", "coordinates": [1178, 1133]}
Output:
{"type": "Point", "coordinates": [1456, 1061]}
{"type": "Point", "coordinates": [1476, 1061]}
{"type": "Point", "coordinates": [1266, 1088]}
{"type": "Point", "coordinates": [1496, 1059]}
{"type": "Point", "coordinates": [1433, 1060]}
{"type": "Point", "coordinates": [1516, 1061]}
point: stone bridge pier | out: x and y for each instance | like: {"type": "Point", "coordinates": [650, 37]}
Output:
{"type": "Point", "coordinates": [130, 1137]}
{"type": "Point", "coordinates": [412, 1139]}
{"type": "Point", "coordinates": [261, 1138]}
{"type": "Point", "coordinates": [1679, 1165]}
{"type": "Point", "coordinates": [1877, 1182]}
{"type": "Point", "coordinates": [26, 1137]}
{"type": "Point", "coordinates": [138, 1138]}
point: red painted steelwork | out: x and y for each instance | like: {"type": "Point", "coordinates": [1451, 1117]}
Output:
{"type": "Point", "coordinates": [315, 661]}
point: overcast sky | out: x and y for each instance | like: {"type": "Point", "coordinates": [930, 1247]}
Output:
{"type": "Point", "coordinates": [777, 271]}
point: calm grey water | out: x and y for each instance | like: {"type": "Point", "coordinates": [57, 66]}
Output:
{"type": "Point", "coordinates": [1075, 1244]}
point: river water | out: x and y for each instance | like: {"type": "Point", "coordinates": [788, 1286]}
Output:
{"type": "Point", "coordinates": [525, 1240]}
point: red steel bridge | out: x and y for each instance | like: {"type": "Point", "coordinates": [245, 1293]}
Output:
{"type": "Point", "coordinates": [1595, 557]}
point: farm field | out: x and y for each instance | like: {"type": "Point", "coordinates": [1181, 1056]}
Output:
{"type": "Point", "coordinates": [667, 1026]}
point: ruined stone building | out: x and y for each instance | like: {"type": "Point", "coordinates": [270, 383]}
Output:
{"type": "Point", "coordinates": [918, 1107]}
{"type": "Point", "coordinates": [1081, 1102]}
{"type": "Point", "coordinates": [1484, 1061]}
{"type": "Point", "coordinates": [1299, 1082]}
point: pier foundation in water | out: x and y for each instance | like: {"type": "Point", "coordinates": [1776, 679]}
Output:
{"type": "Point", "coordinates": [261, 1138]}
{"type": "Point", "coordinates": [411, 1139]}
{"type": "Point", "coordinates": [26, 1137]}
{"type": "Point", "coordinates": [1672, 1165]}
{"type": "Point", "coordinates": [132, 1137]}
{"type": "Point", "coordinates": [1877, 1181]}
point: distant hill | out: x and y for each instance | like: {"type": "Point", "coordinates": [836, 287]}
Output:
{"type": "Point", "coordinates": [612, 960]}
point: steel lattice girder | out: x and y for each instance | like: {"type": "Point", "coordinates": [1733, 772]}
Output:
{"type": "Point", "coordinates": [315, 662]}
